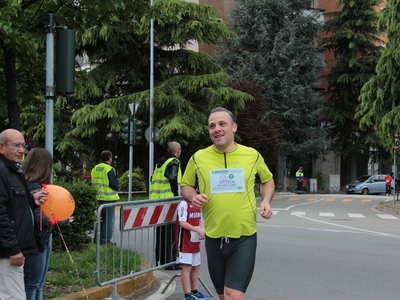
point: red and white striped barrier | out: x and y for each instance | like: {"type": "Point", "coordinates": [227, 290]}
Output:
{"type": "Point", "coordinates": [136, 217]}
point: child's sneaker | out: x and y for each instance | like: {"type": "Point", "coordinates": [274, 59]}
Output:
{"type": "Point", "coordinates": [191, 297]}
{"type": "Point", "coordinates": [200, 295]}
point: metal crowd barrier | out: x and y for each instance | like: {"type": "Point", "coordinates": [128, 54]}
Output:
{"type": "Point", "coordinates": [133, 251]}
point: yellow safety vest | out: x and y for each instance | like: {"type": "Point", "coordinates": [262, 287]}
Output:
{"type": "Point", "coordinates": [299, 175]}
{"type": "Point", "coordinates": [160, 185]}
{"type": "Point", "coordinates": [100, 182]}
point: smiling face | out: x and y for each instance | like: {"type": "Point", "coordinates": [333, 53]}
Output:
{"type": "Point", "coordinates": [13, 146]}
{"type": "Point", "coordinates": [222, 131]}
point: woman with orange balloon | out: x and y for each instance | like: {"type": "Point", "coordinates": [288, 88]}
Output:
{"type": "Point", "coordinates": [58, 211]}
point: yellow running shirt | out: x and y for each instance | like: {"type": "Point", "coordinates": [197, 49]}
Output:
{"type": "Point", "coordinates": [228, 181]}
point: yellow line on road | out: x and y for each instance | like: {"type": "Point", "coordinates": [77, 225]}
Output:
{"type": "Point", "coordinates": [294, 199]}
{"type": "Point", "coordinates": [347, 200]}
{"type": "Point", "coordinates": [312, 199]}
{"type": "Point", "coordinates": [329, 199]}
{"type": "Point", "coordinates": [366, 200]}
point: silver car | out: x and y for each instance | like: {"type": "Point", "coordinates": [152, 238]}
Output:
{"type": "Point", "coordinates": [367, 184]}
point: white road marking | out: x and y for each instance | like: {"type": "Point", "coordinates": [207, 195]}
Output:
{"type": "Point", "coordinates": [356, 216]}
{"type": "Point", "coordinates": [326, 214]}
{"type": "Point", "coordinates": [298, 213]}
{"type": "Point", "coordinates": [349, 227]}
{"type": "Point", "coordinates": [387, 217]}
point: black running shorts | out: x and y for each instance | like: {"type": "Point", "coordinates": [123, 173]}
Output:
{"type": "Point", "coordinates": [231, 261]}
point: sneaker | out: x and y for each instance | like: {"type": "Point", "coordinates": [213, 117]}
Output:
{"type": "Point", "coordinates": [191, 297]}
{"type": "Point", "coordinates": [200, 295]}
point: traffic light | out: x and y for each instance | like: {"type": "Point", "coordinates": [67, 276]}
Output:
{"type": "Point", "coordinates": [125, 131]}
{"type": "Point", "coordinates": [137, 131]}
{"type": "Point", "coordinates": [65, 61]}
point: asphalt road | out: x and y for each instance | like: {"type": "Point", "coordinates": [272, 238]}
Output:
{"type": "Point", "coordinates": [317, 247]}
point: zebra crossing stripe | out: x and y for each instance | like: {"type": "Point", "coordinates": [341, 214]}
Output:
{"type": "Point", "coordinates": [326, 214]}
{"type": "Point", "coordinates": [356, 216]}
{"type": "Point", "coordinates": [387, 217]}
{"type": "Point", "coordinates": [298, 213]}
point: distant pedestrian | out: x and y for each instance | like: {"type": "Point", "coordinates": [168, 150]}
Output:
{"type": "Point", "coordinates": [190, 232]}
{"type": "Point", "coordinates": [299, 179]}
{"type": "Point", "coordinates": [388, 182]}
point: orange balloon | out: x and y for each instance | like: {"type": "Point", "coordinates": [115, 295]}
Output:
{"type": "Point", "coordinates": [59, 204]}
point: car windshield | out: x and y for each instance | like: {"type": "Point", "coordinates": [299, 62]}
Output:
{"type": "Point", "coordinates": [362, 178]}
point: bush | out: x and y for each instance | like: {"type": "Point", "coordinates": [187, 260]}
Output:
{"type": "Point", "coordinates": [76, 234]}
{"type": "Point", "coordinates": [138, 183]}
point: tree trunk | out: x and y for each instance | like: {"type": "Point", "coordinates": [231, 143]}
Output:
{"type": "Point", "coordinates": [13, 108]}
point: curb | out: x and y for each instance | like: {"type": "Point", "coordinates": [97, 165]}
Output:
{"type": "Point", "coordinates": [387, 209]}
{"type": "Point", "coordinates": [126, 288]}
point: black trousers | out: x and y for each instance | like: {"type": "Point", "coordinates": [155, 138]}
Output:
{"type": "Point", "coordinates": [299, 185]}
{"type": "Point", "coordinates": [165, 244]}
{"type": "Point", "coordinates": [389, 189]}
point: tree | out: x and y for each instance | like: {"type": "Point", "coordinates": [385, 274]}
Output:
{"type": "Point", "coordinates": [254, 130]}
{"type": "Point", "coordinates": [187, 84]}
{"type": "Point", "coordinates": [352, 38]}
{"type": "Point", "coordinates": [20, 56]}
{"type": "Point", "coordinates": [275, 48]}
{"type": "Point", "coordinates": [22, 62]}
{"type": "Point", "coordinates": [380, 96]}
{"type": "Point", "coordinates": [114, 41]}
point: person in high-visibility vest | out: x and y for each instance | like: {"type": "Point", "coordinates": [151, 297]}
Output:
{"type": "Point", "coordinates": [165, 183]}
{"type": "Point", "coordinates": [104, 179]}
{"type": "Point", "coordinates": [299, 179]}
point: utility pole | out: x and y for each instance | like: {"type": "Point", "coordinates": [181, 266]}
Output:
{"type": "Point", "coordinates": [151, 103]}
{"type": "Point", "coordinates": [50, 84]}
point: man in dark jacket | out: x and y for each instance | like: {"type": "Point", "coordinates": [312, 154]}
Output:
{"type": "Point", "coordinates": [165, 184]}
{"type": "Point", "coordinates": [18, 235]}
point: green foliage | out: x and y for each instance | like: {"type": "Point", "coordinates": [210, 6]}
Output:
{"type": "Point", "coordinates": [187, 84]}
{"type": "Point", "coordinates": [352, 39]}
{"type": "Point", "coordinates": [380, 95]}
{"type": "Point", "coordinates": [114, 45]}
{"type": "Point", "coordinates": [65, 267]}
{"type": "Point", "coordinates": [75, 234]}
{"type": "Point", "coordinates": [267, 138]}
{"type": "Point", "coordinates": [138, 183]}
{"type": "Point", "coordinates": [280, 56]}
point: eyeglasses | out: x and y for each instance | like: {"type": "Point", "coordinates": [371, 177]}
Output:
{"type": "Point", "coordinates": [17, 145]}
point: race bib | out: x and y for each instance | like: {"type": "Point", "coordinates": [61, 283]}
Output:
{"type": "Point", "coordinates": [227, 181]}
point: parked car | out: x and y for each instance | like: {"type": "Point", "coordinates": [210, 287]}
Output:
{"type": "Point", "coordinates": [367, 184]}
